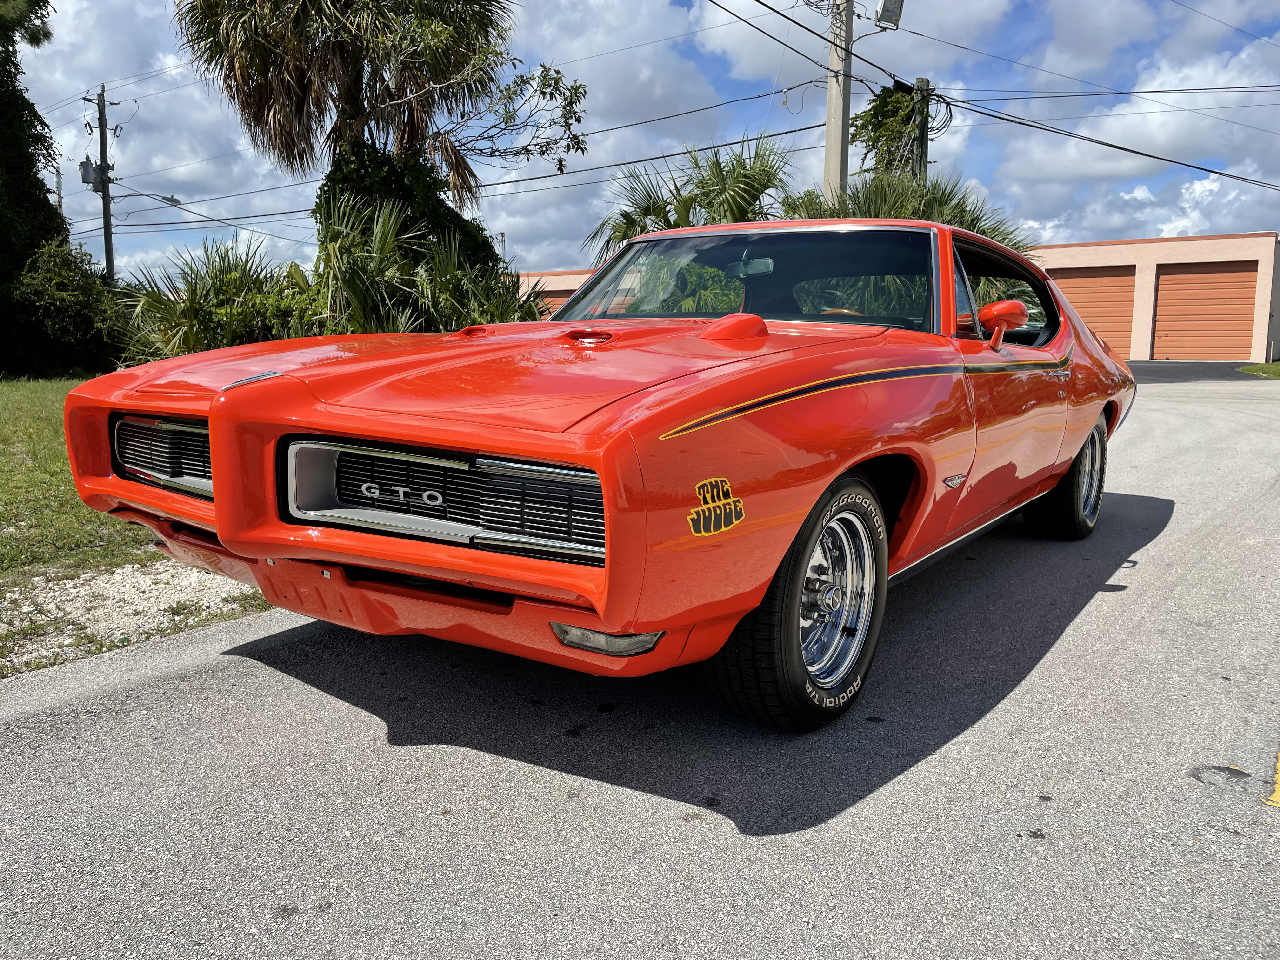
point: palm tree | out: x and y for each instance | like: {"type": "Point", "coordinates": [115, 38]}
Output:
{"type": "Point", "coordinates": [722, 185]}
{"type": "Point", "coordinates": [415, 77]}
{"type": "Point", "coordinates": [899, 196]}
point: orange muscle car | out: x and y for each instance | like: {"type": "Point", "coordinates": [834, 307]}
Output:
{"type": "Point", "coordinates": [724, 448]}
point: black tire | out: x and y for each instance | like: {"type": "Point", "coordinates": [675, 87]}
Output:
{"type": "Point", "coordinates": [761, 671]}
{"type": "Point", "coordinates": [1071, 509]}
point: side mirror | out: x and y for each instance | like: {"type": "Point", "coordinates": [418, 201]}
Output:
{"type": "Point", "coordinates": [1002, 316]}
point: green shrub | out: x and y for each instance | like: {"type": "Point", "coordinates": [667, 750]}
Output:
{"type": "Point", "coordinates": [67, 316]}
{"type": "Point", "coordinates": [222, 295]}
{"type": "Point", "coordinates": [376, 272]}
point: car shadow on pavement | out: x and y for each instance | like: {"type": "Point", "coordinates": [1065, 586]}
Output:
{"type": "Point", "coordinates": [956, 640]}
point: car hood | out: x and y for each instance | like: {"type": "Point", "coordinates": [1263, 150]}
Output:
{"type": "Point", "coordinates": [534, 376]}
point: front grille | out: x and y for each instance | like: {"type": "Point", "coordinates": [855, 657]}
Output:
{"type": "Point", "coordinates": [501, 505]}
{"type": "Point", "coordinates": [166, 452]}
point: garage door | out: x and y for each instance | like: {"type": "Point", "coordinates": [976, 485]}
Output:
{"type": "Point", "coordinates": [1103, 296]}
{"type": "Point", "coordinates": [1204, 311]}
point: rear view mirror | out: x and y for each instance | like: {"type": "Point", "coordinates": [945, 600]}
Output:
{"type": "Point", "coordinates": [749, 268]}
{"type": "Point", "coordinates": [1001, 317]}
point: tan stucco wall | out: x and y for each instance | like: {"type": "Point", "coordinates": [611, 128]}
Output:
{"type": "Point", "coordinates": [555, 279]}
{"type": "Point", "coordinates": [1146, 255]}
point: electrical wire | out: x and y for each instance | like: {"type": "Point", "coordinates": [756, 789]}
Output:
{"type": "Point", "coordinates": [1040, 125]}
{"type": "Point", "coordinates": [661, 156]}
{"type": "Point", "coordinates": [1257, 88]}
{"type": "Point", "coordinates": [1187, 6]}
{"type": "Point", "coordinates": [648, 43]}
{"type": "Point", "coordinates": [714, 106]}
{"type": "Point", "coordinates": [1064, 76]}
{"type": "Point", "coordinates": [196, 213]}
{"type": "Point", "coordinates": [845, 49]}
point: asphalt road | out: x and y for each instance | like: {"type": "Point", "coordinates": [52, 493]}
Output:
{"type": "Point", "coordinates": [1064, 750]}
{"type": "Point", "coordinates": [1189, 371]}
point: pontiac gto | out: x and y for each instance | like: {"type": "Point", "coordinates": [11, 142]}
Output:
{"type": "Point", "coordinates": [725, 448]}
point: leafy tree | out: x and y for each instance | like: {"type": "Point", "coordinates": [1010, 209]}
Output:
{"type": "Point", "coordinates": [899, 196]}
{"type": "Point", "coordinates": [369, 174]}
{"type": "Point", "coordinates": [28, 219]}
{"type": "Point", "coordinates": [423, 78]}
{"type": "Point", "coordinates": [70, 315]}
{"type": "Point", "coordinates": [884, 129]}
{"type": "Point", "coordinates": [718, 186]}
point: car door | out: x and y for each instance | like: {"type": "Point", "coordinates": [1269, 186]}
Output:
{"type": "Point", "coordinates": [1019, 391]}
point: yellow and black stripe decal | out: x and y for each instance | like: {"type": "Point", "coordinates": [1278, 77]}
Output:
{"type": "Point", "coordinates": [859, 379]}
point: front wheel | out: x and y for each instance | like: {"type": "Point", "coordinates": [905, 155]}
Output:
{"type": "Point", "coordinates": [799, 659]}
{"type": "Point", "coordinates": [1070, 510]}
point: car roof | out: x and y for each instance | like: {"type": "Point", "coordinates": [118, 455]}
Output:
{"type": "Point", "coordinates": [757, 225]}
{"type": "Point", "coordinates": [784, 225]}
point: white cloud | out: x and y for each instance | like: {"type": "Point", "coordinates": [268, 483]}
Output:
{"type": "Point", "coordinates": [1064, 189]}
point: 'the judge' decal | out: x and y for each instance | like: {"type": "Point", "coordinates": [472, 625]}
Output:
{"type": "Point", "coordinates": [720, 509]}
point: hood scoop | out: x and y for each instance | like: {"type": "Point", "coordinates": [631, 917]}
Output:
{"type": "Point", "coordinates": [736, 326]}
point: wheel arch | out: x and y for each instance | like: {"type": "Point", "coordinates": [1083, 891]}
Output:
{"type": "Point", "coordinates": [897, 478]}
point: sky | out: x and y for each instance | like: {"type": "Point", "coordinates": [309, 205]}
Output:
{"type": "Point", "coordinates": [172, 135]}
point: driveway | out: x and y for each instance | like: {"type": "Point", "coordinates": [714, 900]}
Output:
{"type": "Point", "coordinates": [1064, 750]}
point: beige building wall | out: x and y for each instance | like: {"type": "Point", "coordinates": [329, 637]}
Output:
{"type": "Point", "coordinates": [1146, 256]}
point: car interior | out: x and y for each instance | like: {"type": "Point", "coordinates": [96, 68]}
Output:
{"type": "Point", "coordinates": [869, 277]}
{"type": "Point", "coordinates": [989, 277]}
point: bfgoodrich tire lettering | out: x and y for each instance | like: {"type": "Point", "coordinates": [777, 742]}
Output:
{"type": "Point", "coordinates": [800, 659]}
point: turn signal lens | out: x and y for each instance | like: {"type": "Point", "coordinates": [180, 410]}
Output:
{"type": "Point", "coordinates": [626, 645]}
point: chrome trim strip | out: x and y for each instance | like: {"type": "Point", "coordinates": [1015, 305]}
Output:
{"type": "Point", "coordinates": [265, 375]}
{"type": "Point", "coordinates": [376, 452]}
{"type": "Point", "coordinates": [197, 485]}
{"type": "Point", "coordinates": [537, 471]}
{"type": "Point", "coordinates": [536, 543]}
{"type": "Point", "coordinates": [162, 424]}
{"type": "Point", "coordinates": [187, 484]}
{"type": "Point", "coordinates": [929, 559]}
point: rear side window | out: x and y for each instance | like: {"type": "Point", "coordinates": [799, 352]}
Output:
{"type": "Point", "coordinates": [994, 277]}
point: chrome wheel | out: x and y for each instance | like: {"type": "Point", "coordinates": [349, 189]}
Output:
{"type": "Point", "coordinates": [837, 599]}
{"type": "Point", "coordinates": [1091, 476]}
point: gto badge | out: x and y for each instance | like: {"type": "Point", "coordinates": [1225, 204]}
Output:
{"type": "Point", "coordinates": [720, 509]}
{"type": "Point", "coordinates": [432, 498]}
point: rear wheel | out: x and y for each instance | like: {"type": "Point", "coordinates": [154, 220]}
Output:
{"type": "Point", "coordinates": [1070, 510]}
{"type": "Point", "coordinates": [799, 659]}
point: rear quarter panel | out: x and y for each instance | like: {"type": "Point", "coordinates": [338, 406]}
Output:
{"type": "Point", "coordinates": [1098, 378]}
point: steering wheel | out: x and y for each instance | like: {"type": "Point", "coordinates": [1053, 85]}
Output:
{"type": "Point", "coordinates": [841, 310]}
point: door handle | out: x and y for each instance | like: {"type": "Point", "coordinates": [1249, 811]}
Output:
{"type": "Point", "coordinates": [1060, 374]}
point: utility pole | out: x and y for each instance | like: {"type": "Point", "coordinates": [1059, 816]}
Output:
{"type": "Point", "coordinates": [57, 180]}
{"type": "Point", "coordinates": [921, 95]}
{"type": "Point", "coordinates": [104, 182]}
{"type": "Point", "coordinates": [835, 174]}
{"type": "Point", "coordinates": [99, 177]}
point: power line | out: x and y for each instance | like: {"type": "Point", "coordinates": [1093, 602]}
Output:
{"type": "Point", "coordinates": [196, 213]}
{"type": "Point", "coordinates": [825, 69]}
{"type": "Point", "coordinates": [714, 106]}
{"type": "Point", "coordinates": [179, 166]}
{"type": "Point", "coordinates": [1187, 6]}
{"type": "Point", "coordinates": [1040, 125]}
{"type": "Point", "coordinates": [1128, 113]}
{"type": "Point", "coordinates": [135, 78]}
{"type": "Point", "coordinates": [661, 156]}
{"type": "Point", "coordinates": [649, 43]}
{"type": "Point", "coordinates": [1063, 95]}
{"type": "Point", "coordinates": [1064, 76]}
{"type": "Point", "coordinates": [843, 48]}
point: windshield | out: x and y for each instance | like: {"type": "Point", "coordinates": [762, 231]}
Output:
{"type": "Point", "coordinates": [877, 277]}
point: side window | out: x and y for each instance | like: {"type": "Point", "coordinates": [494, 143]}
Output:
{"type": "Point", "coordinates": [994, 277]}
{"type": "Point", "coordinates": [965, 319]}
